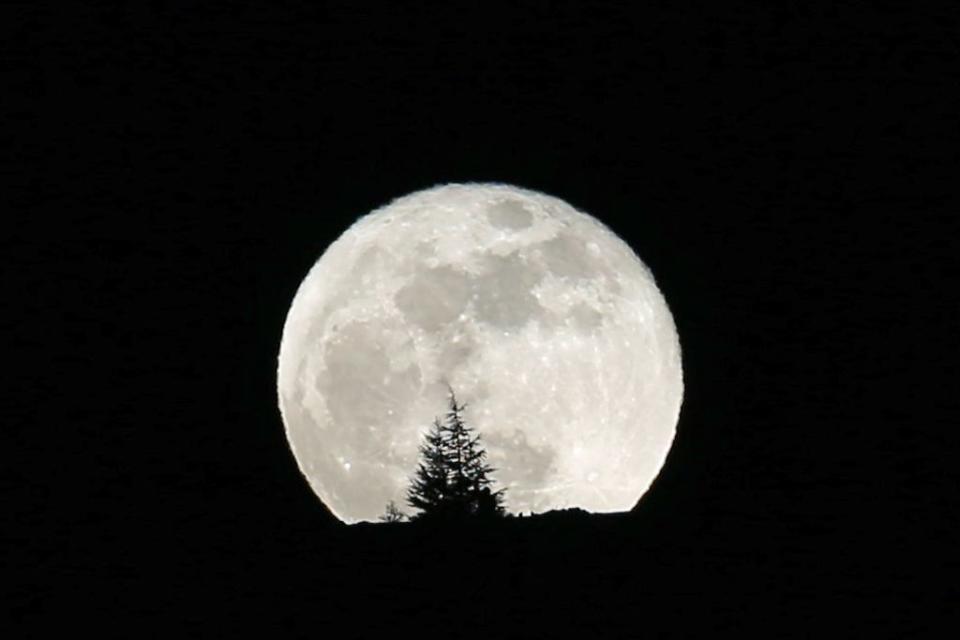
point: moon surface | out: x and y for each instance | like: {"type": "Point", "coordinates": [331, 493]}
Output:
{"type": "Point", "coordinates": [544, 322]}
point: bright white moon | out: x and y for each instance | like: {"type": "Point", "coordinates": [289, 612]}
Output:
{"type": "Point", "coordinates": [542, 320]}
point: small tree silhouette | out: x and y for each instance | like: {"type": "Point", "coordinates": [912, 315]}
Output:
{"type": "Point", "coordinates": [392, 513]}
{"type": "Point", "coordinates": [452, 480]}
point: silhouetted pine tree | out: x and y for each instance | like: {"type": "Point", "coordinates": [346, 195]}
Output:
{"type": "Point", "coordinates": [430, 490]}
{"type": "Point", "coordinates": [471, 482]}
{"type": "Point", "coordinates": [453, 477]}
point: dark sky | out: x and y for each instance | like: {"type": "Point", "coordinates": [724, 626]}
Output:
{"type": "Point", "coordinates": [788, 175]}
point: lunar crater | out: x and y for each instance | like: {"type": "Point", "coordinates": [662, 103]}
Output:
{"type": "Point", "coordinates": [509, 214]}
{"type": "Point", "coordinates": [520, 463]}
{"type": "Point", "coordinates": [504, 293]}
{"type": "Point", "coordinates": [434, 297]}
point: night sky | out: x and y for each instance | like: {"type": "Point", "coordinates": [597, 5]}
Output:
{"type": "Point", "coordinates": [789, 177]}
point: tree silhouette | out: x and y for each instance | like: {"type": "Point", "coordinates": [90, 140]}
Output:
{"type": "Point", "coordinates": [392, 513]}
{"type": "Point", "coordinates": [430, 490]}
{"type": "Point", "coordinates": [452, 480]}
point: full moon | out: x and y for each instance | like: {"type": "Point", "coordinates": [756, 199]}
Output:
{"type": "Point", "coordinates": [544, 322]}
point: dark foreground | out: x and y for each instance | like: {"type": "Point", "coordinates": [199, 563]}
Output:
{"type": "Point", "coordinates": [616, 575]}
